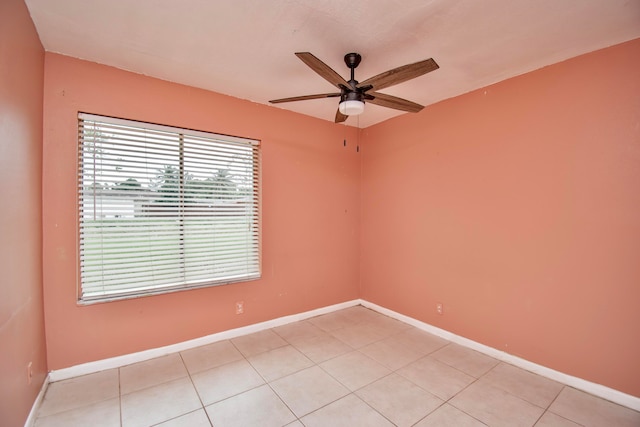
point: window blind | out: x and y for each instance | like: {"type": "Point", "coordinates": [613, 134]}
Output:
{"type": "Point", "coordinates": [163, 208]}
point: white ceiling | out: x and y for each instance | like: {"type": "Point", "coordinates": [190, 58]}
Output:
{"type": "Point", "coordinates": [245, 48]}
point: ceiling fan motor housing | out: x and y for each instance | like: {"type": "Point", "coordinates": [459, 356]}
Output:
{"type": "Point", "coordinates": [351, 96]}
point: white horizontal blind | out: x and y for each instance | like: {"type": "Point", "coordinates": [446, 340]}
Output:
{"type": "Point", "coordinates": [164, 208]}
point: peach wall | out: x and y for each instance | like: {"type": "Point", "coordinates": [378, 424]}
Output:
{"type": "Point", "coordinates": [518, 207]}
{"type": "Point", "coordinates": [310, 209]}
{"type": "Point", "coordinates": [21, 318]}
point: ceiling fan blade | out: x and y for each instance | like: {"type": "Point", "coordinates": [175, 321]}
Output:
{"type": "Point", "coordinates": [400, 74]}
{"type": "Point", "coordinates": [305, 97]}
{"type": "Point", "coordinates": [394, 102]}
{"type": "Point", "coordinates": [340, 117]}
{"type": "Point", "coordinates": [322, 69]}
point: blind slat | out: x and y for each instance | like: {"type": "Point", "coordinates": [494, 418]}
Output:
{"type": "Point", "coordinates": [163, 209]}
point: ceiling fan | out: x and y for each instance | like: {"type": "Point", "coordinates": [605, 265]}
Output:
{"type": "Point", "coordinates": [353, 94]}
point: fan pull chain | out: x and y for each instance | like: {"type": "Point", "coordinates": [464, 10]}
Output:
{"type": "Point", "coordinates": [358, 137]}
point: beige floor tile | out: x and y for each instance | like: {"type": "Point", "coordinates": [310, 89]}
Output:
{"type": "Point", "coordinates": [360, 335]}
{"type": "Point", "coordinates": [550, 419]}
{"type": "Point", "coordinates": [388, 325]}
{"type": "Point", "coordinates": [526, 385]}
{"type": "Point", "coordinates": [298, 331]}
{"type": "Point", "coordinates": [308, 390]}
{"type": "Point", "coordinates": [358, 313]}
{"type": "Point", "coordinates": [226, 381]}
{"type": "Point", "coordinates": [259, 342]}
{"type": "Point", "coordinates": [436, 377]}
{"type": "Point", "coordinates": [105, 413]}
{"type": "Point", "coordinates": [295, 424]}
{"type": "Point", "coordinates": [159, 403]}
{"type": "Point", "coordinates": [448, 416]}
{"type": "Point", "coordinates": [346, 412]}
{"type": "Point", "coordinates": [420, 341]}
{"type": "Point", "coordinates": [466, 360]}
{"type": "Point", "coordinates": [496, 407]}
{"type": "Point", "coordinates": [399, 400]}
{"type": "Point", "coordinates": [332, 321]}
{"type": "Point", "coordinates": [210, 356]}
{"type": "Point", "coordinates": [78, 392]}
{"type": "Point", "coordinates": [257, 407]}
{"type": "Point", "coordinates": [151, 372]}
{"type": "Point", "coordinates": [192, 419]}
{"type": "Point", "coordinates": [590, 411]}
{"type": "Point", "coordinates": [354, 370]}
{"type": "Point", "coordinates": [322, 347]}
{"type": "Point", "coordinates": [391, 353]}
{"type": "Point", "coordinates": [280, 362]}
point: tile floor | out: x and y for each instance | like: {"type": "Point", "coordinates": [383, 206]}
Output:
{"type": "Point", "coordinates": [353, 367]}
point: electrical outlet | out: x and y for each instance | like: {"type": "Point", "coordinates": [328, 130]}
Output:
{"type": "Point", "coordinates": [29, 372]}
{"type": "Point", "coordinates": [240, 307]}
{"type": "Point", "coordinates": [439, 308]}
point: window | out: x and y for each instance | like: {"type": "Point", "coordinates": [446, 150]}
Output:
{"type": "Point", "coordinates": [162, 209]}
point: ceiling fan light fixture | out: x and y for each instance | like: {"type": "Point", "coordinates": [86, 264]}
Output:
{"type": "Point", "coordinates": [351, 107]}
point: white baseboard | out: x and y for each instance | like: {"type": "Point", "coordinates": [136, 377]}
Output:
{"type": "Point", "coordinates": [116, 362]}
{"type": "Point", "coordinates": [128, 359]}
{"type": "Point", "coordinates": [575, 382]}
{"type": "Point", "coordinates": [31, 419]}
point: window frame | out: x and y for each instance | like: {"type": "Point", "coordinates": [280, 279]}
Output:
{"type": "Point", "coordinates": [255, 207]}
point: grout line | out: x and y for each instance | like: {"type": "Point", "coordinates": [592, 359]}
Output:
{"type": "Point", "coordinates": [367, 403]}
{"type": "Point", "coordinates": [191, 380]}
{"type": "Point", "coordinates": [245, 358]}
{"type": "Point", "coordinates": [448, 401]}
{"type": "Point", "coordinates": [555, 397]}
{"type": "Point", "coordinates": [548, 409]}
{"type": "Point", "coordinates": [314, 364]}
{"type": "Point", "coordinates": [539, 418]}
{"type": "Point", "coordinates": [435, 409]}
{"type": "Point", "coordinates": [155, 384]}
{"type": "Point", "coordinates": [284, 403]}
